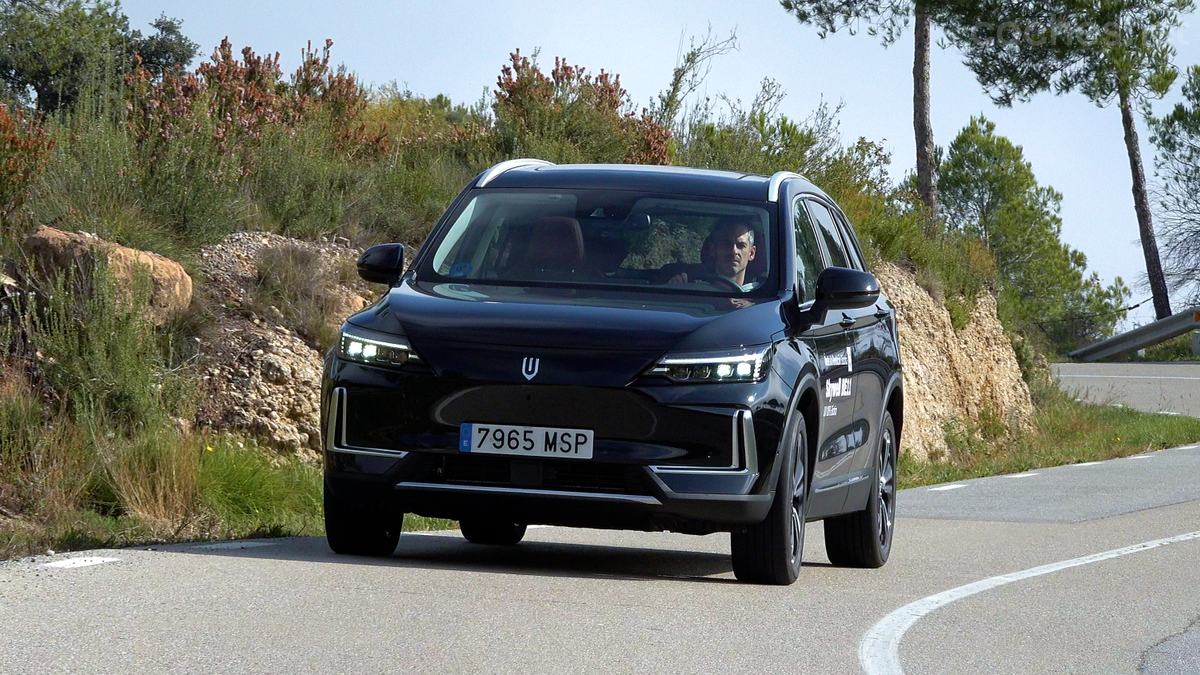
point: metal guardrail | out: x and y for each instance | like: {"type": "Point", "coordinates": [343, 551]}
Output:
{"type": "Point", "coordinates": [1140, 338]}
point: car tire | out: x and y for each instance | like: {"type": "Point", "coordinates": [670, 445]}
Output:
{"type": "Point", "coordinates": [355, 528]}
{"type": "Point", "coordinates": [864, 538]}
{"type": "Point", "coordinates": [492, 531]}
{"type": "Point", "coordinates": [771, 552]}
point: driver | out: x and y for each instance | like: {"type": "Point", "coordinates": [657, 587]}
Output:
{"type": "Point", "coordinates": [726, 253]}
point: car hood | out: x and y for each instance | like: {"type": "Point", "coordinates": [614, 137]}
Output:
{"type": "Point", "coordinates": [448, 322]}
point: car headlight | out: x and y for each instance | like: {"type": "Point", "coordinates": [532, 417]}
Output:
{"type": "Point", "coordinates": [740, 365]}
{"type": "Point", "coordinates": [394, 352]}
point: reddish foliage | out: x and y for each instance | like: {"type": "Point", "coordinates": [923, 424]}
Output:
{"type": "Point", "coordinates": [24, 152]}
{"type": "Point", "coordinates": [241, 99]}
{"type": "Point", "coordinates": [340, 95]}
{"type": "Point", "coordinates": [244, 96]}
{"type": "Point", "coordinates": [570, 98]}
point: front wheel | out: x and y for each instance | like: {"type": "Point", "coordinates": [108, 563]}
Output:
{"type": "Point", "coordinates": [771, 551]}
{"type": "Point", "coordinates": [864, 538]}
{"type": "Point", "coordinates": [353, 528]}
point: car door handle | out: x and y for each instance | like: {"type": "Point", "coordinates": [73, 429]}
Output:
{"type": "Point", "coordinates": [880, 312]}
{"type": "Point", "coordinates": [847, 321]}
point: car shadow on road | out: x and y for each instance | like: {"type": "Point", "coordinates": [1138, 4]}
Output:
{"type": "Point", "coordinates": [451, 552]}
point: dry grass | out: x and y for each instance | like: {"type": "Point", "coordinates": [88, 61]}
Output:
{"type": "Point", "coordinates": [155, 477]}
{"type": "Point", "coordinates": [305, 289]}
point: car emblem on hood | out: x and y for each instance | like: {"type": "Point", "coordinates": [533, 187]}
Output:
{"type": "Point", "coordinates": [529, 367]}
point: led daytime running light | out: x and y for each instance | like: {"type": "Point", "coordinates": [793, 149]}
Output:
{"type": "Point", "coordinates": [374, 352]}
{"type": "Point", "coordinates": [717, 368]}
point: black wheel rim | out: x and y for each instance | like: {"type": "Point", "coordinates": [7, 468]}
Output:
{"type": "Point", "coordinates": [797, 516]}
{"type": "Point", "coordinates": [887, 489]}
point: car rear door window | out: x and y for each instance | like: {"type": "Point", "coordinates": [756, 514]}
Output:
{"type": "Point", "coordinates": [855, 253]}
{"type": "Point", "coordinates": [808, 253]}
{"type": "Point", "coordinates": [829, 234]}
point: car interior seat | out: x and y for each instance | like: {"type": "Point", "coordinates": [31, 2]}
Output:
{"type": "Point", "coordinates": [555, 247]}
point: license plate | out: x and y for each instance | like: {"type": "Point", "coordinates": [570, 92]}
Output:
{"type": "Point", "coordinates": [500, 439]}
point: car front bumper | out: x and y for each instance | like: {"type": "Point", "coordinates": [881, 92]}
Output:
{"type": "Point", "coordinates": [630, 491]}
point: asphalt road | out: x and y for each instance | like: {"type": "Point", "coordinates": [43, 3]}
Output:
{"type": "Point", "coordinates": [621, 602]}
{"type": "Point", "coordinates": [1149, 387]}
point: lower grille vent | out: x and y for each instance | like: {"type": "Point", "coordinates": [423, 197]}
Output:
{"type": "Point", "coordinates": [546, 475]}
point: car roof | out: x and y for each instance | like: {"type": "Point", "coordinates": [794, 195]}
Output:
{"type": "Point", "coordinates": [644, 178]}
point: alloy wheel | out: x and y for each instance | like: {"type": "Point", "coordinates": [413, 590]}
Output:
{"type": "Point", "coordinates": [798, 497]}
{"type": "Point", "coordinates": [887, 489]}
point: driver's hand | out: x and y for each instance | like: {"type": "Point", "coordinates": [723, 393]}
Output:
{"type": "Point", "coordinates": [680, 278]}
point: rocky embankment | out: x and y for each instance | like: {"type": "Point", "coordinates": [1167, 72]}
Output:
{"type": "Point", "coordinates": [260, 377]}
{"type": "Point", "coordinates": [951, 376]}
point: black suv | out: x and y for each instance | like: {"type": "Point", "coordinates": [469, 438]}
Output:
{"type": "Point", "coordinates": [634, 347]}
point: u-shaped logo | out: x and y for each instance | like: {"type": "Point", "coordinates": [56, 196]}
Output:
{"type": "Point", "coordinates": [529, 367]}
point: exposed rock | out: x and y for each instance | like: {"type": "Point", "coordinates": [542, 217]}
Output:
{"type": "Point", "coordinates": [261, 378]}
{"type": "Point", "coordinates": [55, 251]}
{"type": "Point", "coordinates": [951, 375]}
{"type": "Point", "coordinates": [350, 303]}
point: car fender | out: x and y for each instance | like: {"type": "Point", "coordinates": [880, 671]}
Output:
{"type": "Point", "coordinates": [808, 382]}
{"type": "Point", "coordinates": [895, 385]}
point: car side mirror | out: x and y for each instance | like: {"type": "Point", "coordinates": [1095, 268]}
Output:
{"type": "Point", "coordinates": [382, 264]}
{"type": "Point", "coordinates": [842, 288]}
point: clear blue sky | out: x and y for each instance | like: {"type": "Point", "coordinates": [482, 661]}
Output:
{"type": "Point", "coordinates": [456, 47]}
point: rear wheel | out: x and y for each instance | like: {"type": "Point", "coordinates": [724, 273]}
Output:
{"type": "Point", "coordinates": [864, 538]}
{"type": "Point", "coordinates": [355, 528]}
{"type": "Point", "coordinates": [771, 551]}
{"type": "Point", "coordinates": [495, 531]}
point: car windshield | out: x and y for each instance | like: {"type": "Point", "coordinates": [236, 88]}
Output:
{"type": "Point", "coordinates": [664, 243]}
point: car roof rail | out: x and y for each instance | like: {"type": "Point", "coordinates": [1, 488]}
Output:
{"type": "Point", "coordinates": [777, 181]}
{"type": "Point", "coordinates": [492, 173]}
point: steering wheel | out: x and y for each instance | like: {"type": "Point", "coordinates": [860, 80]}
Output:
{"type": "Point", "coordinates": [718, 280]}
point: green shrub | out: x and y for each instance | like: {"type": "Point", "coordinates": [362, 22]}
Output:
{"type": "Point", "coordinates": [300, 183]}
{"type": "Point", "coordinates": [249, 492]}
{"type": "Point", "coordinates": [102, 356]}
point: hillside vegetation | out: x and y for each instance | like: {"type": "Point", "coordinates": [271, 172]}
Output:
{"type": "Point", "coordinates": [97, 404]}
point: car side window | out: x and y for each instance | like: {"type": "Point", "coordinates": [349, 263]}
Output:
{"type": "Point", "coordinates": [856, 256]}
{"type": "Point", "coordinates": [829, 234]}
{"type": "Point", "coordinates": [808, 253]}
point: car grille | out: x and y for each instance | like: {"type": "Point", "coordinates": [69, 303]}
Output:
{"type": "Point", "coordinates": [544, 475]}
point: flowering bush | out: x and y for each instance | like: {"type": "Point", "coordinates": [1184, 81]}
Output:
{"type": "Point", "coordinates": [572, 116]}
{"type": "Point", "coordinates": [24, 151]}
{"type": "Point", "coordinates": [239, 100]}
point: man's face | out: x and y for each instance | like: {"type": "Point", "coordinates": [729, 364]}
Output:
{"type": "Point", "coordinates": [732, 251]}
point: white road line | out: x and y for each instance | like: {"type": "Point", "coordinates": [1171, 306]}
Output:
{"type": "Point", "coordinates": [1140, 457]}
{"type": "Point", "coordinates": [1124, 377]}
{"type": "Point", "coordinates": [1027, 474]}
{"type": "Point", "coordinates": [1087, 464]}
{"type": "Point", "coordinates": [80, 562]}
{"type": "Point", "coordinates": [947, 487]}
{"type": "Point", "coordinates": [235, 544]}
{"type": "Point", "coordinates": [879, 649]}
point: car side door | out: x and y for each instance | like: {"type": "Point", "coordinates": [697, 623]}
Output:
{"type": "Point", "coordinates": [873, 350]}
{"type": "Point", "coordinates": [840, 457]}
{"type": "Point", "coordinates": [832, 346]}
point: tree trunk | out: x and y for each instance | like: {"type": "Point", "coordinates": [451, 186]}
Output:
{"type": "Point", "coordinates": [926, 170]}
{"type": "Point", "coordinates": [1141, 204]}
